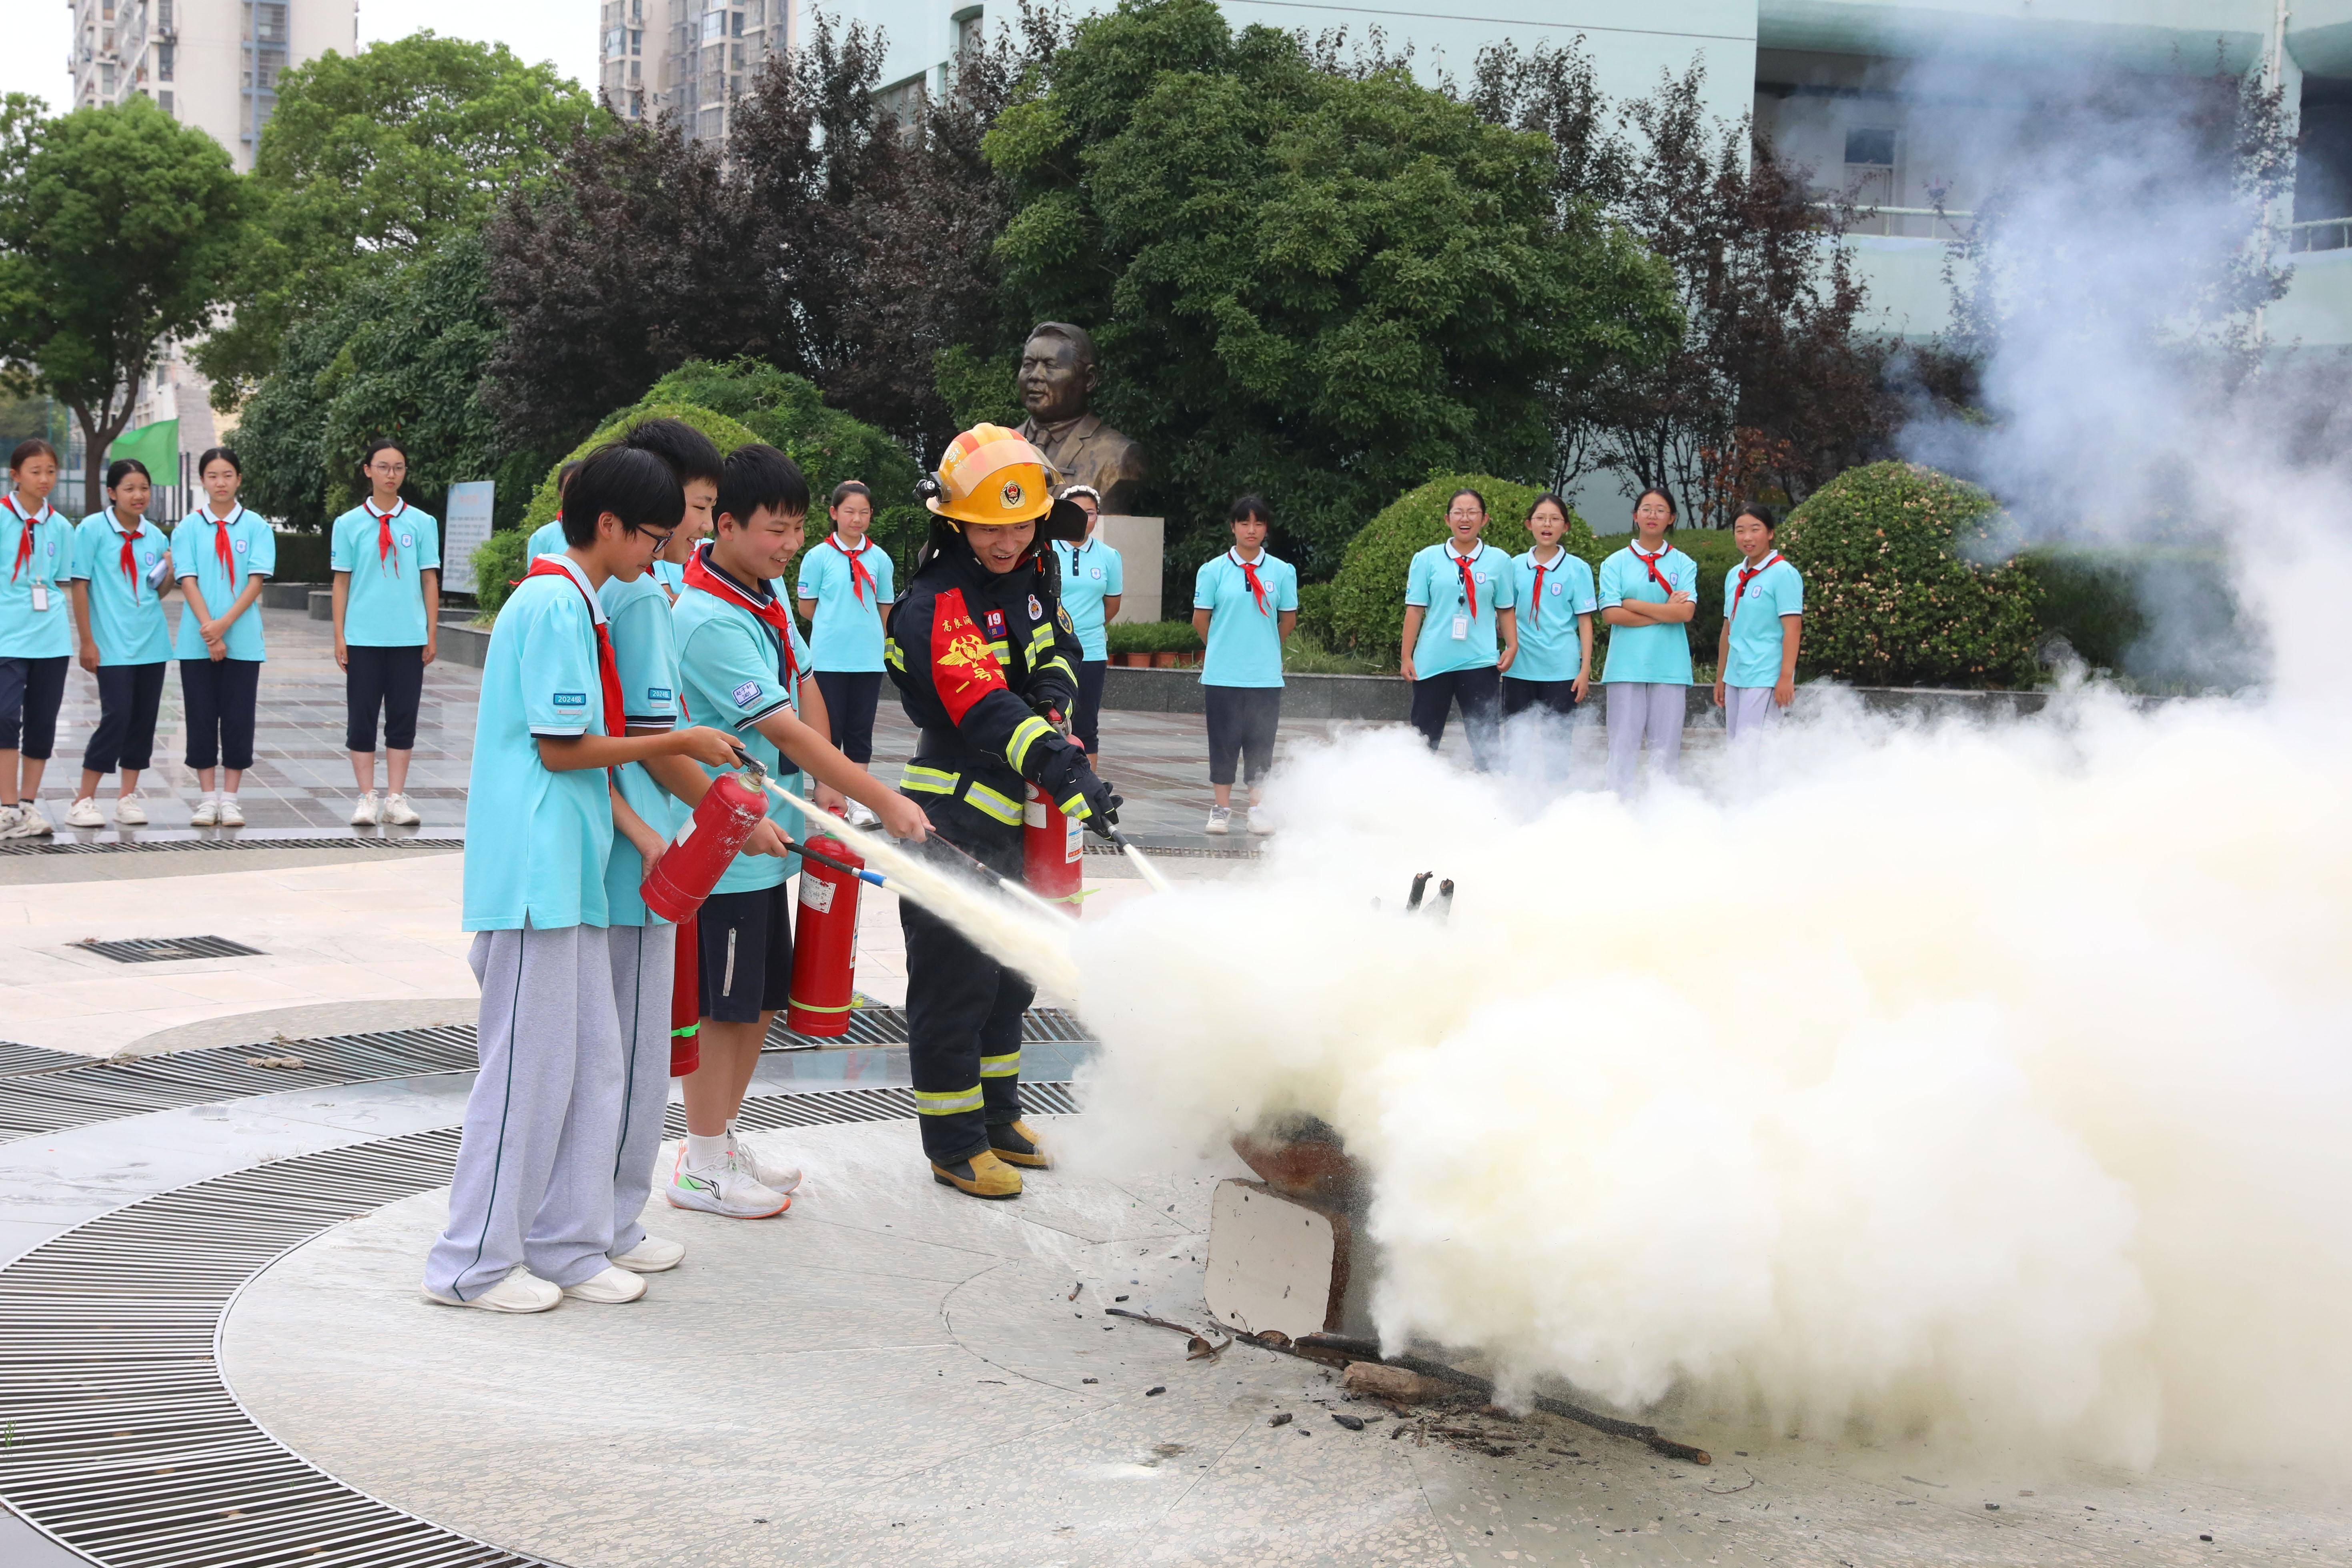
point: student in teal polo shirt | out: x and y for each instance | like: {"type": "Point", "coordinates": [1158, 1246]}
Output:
{"type": "Point", "coordinates": [1245, 604]}
{"type": "Point", "coordinates": [386, 558]}
{"type": "Point", "coordinates": [1763, 617]}
{"type": "Point", "coordinates": [1648, 593]}
{"type": "Point", "coordinates": [743, 668]}
{"type": "Point", "coordinates": [845, 586]}
{"type": "Point", "coordinates": [1094, 579]}
{"type": "Point", "coordinates": [1461, 631]}
{"type": "Point", "coordinates": [222, 554]}
{"type": "Point", "coordinates": [1554, 669]}
{"type": "Point", "coordinates": [121, 569]}
{"type": "Point", "coordinates": [35, 633]}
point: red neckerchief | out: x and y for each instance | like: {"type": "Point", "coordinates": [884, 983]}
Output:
{"type": "Point", "coordinates": [130, 556]}
{"type": "Point", "coordinates": [1249, 572]}
{"type": "Point", "coordinates": [1535, 610]}
{"type": "Point", "coordinates": [1462, 564]}
{"type": "Point", "coordinates": [1747, 572]}
{"type": "Point", "coordinates": [608, 668]}
{"type": "Point", "coordinates": [220, 542]}
{"type": "Point", "coordinates": [386, 553]}
{"type": "Point", "coordinates": [1650, 564]}
{"type": "Point", "coordinates": [25, 535]}
{"type": "Point", "coordinates": [718, 585]}
{"type": "Point", "coordinates": [860, 579]}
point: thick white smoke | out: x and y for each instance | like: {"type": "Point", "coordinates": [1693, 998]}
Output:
{"type": "Point", "coordinates": [1986, 1080]}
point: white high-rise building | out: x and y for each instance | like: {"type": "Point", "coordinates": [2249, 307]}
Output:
{"type": "Point", "coordinates": [212, 64]}
{"type": "Point", "coordinates": [690, 58]}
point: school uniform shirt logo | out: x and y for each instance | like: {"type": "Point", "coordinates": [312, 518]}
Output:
{"type": "Point", "coordinates": [1095, 573]}
{"type": "Point", "coordinates": [747, 694]}
{"type": "Point", "coordinates": [571, 700]}
{"type": "Point", "coordinates": [406, 539]}
{"type": "Point", "coordinates": [240, 547]}
{"type": "Point", "coordinates": [657, 693]}
{"type": "Point", "coordinates": [1555, 589]}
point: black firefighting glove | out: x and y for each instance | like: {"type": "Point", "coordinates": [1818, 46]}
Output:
{"type": "Point", "coordinates": [1050, 711]}
{"type": "Point", "coordinates": [1066, 774]}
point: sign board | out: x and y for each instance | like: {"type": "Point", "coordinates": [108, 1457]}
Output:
{"type": "Point", "coordinates": [1140, 542]}
{"type": "Point", "coordinates": [466, 525]}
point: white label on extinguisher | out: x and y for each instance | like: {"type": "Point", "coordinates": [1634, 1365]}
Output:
{"type": "Point", "coordinates": [685, 833]}
{"type": "Point", "coordinates": [816, 895]}
{"type": "Point", "coordinates": [1074, 840]}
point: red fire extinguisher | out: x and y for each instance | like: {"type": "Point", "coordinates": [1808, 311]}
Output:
{"type": "Point", "coordinates": [1053, 852]}
{"type": "Point", "coordinates": [824, 944]}
{"type": "Point", "coordinates": [686, 1002]}
{"type": "Point", "coordinates": [682, 876]}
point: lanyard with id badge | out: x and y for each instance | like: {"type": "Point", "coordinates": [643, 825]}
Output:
{"type": "Point", "coordinates": [26, 534]}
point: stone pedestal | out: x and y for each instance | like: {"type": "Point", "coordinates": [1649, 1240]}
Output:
{"type": "Point", "coordinates": [1141, 545]}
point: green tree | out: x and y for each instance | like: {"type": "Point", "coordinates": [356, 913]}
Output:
{"type": "Point", "coordinates": [1317, 285]}
{"type": "Point", "coordinates": [116, 228]}
{"type": "Point", "coordinates": [400, 355]}
{"type": "Point", "coordinates": [373, 158]}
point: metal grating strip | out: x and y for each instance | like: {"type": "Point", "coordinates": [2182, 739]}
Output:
{"type": "Point", "coordinates": [16, 1058]}
{"type": "Point", "coordinates": [124, 1442]}
{"type": "Point", "coordinates": [1175, 851]}
{"type": "Point", "coordinates": [74, 1091]}
{"type": "Point", "coordinates": [167, 949]}
{"type": "Point", "coordinates": [152, 845]}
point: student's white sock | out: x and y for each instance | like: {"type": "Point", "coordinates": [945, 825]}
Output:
{"type": "Point", "coordinates": [702, 1153]}
{"type": "Point", "coordinates": [226, 797]}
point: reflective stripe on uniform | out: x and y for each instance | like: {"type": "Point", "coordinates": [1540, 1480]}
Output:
{"type": "Point", "coordinates": [1008, 1066]}
{"type": "Point", "coordinates": [1025, 734]}
{"type": "Point", "coordinates": [891, 656]}
{"type": "Point", "coordinates": [927, 781]}
{"type": "Point", "coordinates": [1040, 636]}
{"type": "Point", "coordinates": [953, 1103]}
{"type": "Point", "coordinates": [1058, 662]}
{"type": "Point", "coordinates": [1076, 806]}
{"type": "Point", "coordinates": [1004, 652]}
{"type": "Point", "coordinates": [980, 797]}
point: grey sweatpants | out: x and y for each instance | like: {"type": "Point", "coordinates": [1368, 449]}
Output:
{"type": "Point", "coordinates": [1748, 710]}
{"type": "Point", "coordinates": [643, 973]}
{"type": "Point", "coordinates": [1639, 707]}
{"type": "Point", "coordinates": [535, 1169]}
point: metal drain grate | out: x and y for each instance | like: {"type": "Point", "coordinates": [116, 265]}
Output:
{"type": "Point", "coordinates": [149, 846]}
{"type": "Point", "coordinates": [164, 949]}
{"type": "Point", "coordinates": [74, 1091]}
{"type": "Point", "coordinates": [1176, 852]}
{"type": "Point", "coordinates": [16, 1058]}
{"type": "Point", "coordinates": [124, 1442]}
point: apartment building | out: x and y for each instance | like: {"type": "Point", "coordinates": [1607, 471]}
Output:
{"type": "Point", "coordinates": [212, 64]}
{"type": "Point", "coordinates": [1884, 98]}
{"type": "Point", "coordinates": [688, 57]}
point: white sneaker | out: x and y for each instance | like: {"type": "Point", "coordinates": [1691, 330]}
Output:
{"type": "Point", "coordinates": [84, 813]}
{"type": "Point", "coordinates": [1259, 827]}
{"type": "Point", "coordinates": [398, 812]}
{"type": "Point", "coordinates": [610, 1287]}
{"type": "Point", "coordinates": [651, 1256]}
{"type": "Point", "coordinates": [1221, 820]}
{"type": "Point", "coordinates": [519, 1291]}
{"type": "Point", "coordinates": [774, 1178]}
{"type": "Point", "coordinates": [28, 823]}
{"type": "Point", "coordinates": [130, 810]}
{"type": "Point", "coordinates": [231, 815]}
{"type": "Point", "coordinates": [206, 813]}
{"type": "Point", "coordinates": [725, 1189]}
{"type": "Point", "coordinates": [363, 811]}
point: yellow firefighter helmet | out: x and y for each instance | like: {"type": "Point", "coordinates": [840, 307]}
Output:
{"type": "Point", "coordinates": [990, 475]}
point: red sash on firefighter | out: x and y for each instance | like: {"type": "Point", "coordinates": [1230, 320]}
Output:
{"type": "Point", "coordinates": [700, 574]}
{"type": "Point", "coordinates": [962, 669]}
{"type": "Point", "coordinates": [608, 669]}
{"type": "Point", "coordinates": [860, 579]}
{"type": "Point", "coordinates": [1747, 572]}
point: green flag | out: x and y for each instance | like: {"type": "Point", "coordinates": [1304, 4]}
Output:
{"type": "Point", "coordinates": [156, 445]}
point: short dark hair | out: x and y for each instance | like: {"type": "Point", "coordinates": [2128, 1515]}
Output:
{"type": "Point", "coordinates": [756, 475]}
{"type": "Point", "coordinates": [224, 455]}
{"type": "Point", "coordinates": [1250, 506]}
{"type": "Point", "coordinates": [1663, 494]}
{"type": "Point", "coordinates": [1558, 499]}
{"type": "Point", "coordinates": [27, 449]}
{"type": "Point", "coordinates": [1081, 342]}
{"type": "Point", "coordinates": [847, 488]}
{"type": "Point", "coordinates": [1760, 512]}
{"type": "Point", "coordinates": [122, 468]}
{"type": "Point", "coordinates": [1474, 495]}
{"type": "Point", "coordinates": [564, 477]}
{"type": "Point", "coordinates": [690, 454]}
{"type": "Point", "coordinates": [635, 487]}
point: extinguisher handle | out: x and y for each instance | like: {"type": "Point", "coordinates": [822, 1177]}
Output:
{"type": "Point", "coordinates": [859, 872]}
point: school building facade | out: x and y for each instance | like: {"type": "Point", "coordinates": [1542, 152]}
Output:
{"type": "Point", "coordinates": [1880, 95]}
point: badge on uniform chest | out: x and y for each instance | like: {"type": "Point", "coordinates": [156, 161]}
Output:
{"type": "Point", "coordinates": [1036, 610]}
{"type": "Point", "coordinates": [995, 619]}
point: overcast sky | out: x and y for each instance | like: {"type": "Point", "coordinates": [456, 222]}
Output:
{"type": "Point", "coordinates": [563, 31]}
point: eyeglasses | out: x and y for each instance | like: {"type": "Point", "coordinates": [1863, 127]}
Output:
{"type": "Point", "coordinates": [661, 539]}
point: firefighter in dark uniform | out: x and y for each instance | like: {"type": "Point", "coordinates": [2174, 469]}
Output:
{"type": "Point", "coordinates": [986, 664]}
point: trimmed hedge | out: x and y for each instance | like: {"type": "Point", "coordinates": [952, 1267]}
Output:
{"type": "Point", "coordinates": [1902, 585]}
{"type": "Point", "coordinates": [302, 558]}
{"type": "Point", "coordinates": [1151, 636]}
{"type": "Point", "coordinates": [1367, 610]}
{"type": "Point", "coordinates": [498, 560]}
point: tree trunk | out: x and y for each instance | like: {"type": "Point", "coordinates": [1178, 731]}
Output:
{"type": "Point", "coordinates": [97, 433]}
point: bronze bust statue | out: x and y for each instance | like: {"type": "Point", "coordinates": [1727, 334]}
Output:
{"type": "Point", "coordinates": [1057, 376]}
